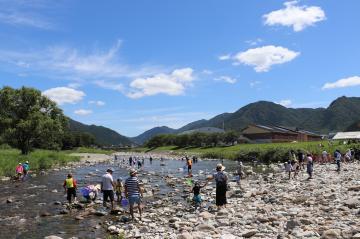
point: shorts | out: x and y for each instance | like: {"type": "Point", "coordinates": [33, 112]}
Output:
{"type": "Point", "coordinates": [189, 167]}
{"type": "Point", "coordinates": [134, 199]}
{"type": "Point", "coordinates": [71, 192]}
{"type": "Point", "coordinates": [108, 194]}
{"type": "Point", "coordinates": [197, 198]}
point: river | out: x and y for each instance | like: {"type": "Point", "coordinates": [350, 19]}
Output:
{"type": "Point", "coordinates": [30, 199]}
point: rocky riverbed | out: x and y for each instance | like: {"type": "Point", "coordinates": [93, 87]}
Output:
{"type": "Point", "coordinates": [266, 206]}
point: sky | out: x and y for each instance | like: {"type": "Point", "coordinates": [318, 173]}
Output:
{"type": "Point", "coordinates": [132, 65]}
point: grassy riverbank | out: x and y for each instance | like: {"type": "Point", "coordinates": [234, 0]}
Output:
{"type": "Point", "coordinates": [39, 159]}
{"type": "Point", "coordinates": [270, 152]}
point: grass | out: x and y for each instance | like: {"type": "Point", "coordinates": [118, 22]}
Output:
{"type": "Point", "coordinates": [38, 160]}
{"type": "Point", "coordinates": [270, 152]}
{"type": "Point", "coordinates": [91, 151]}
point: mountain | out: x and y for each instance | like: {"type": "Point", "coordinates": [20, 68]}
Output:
{"type": "Point", "coordinates": [340, 114]}
{"type": "Point", "coordinates": [354, 127]}
{"type": "Point", "coordinates": [103, 135]}
{"type": "Point", "coordinates": [142, 138]}
{"type": "Point", "coordinates": [337, 117]}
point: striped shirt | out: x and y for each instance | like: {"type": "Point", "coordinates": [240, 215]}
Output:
{"type": "Point", "coordinates": [132, 186]}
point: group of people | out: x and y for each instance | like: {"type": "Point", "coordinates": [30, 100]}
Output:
{"type": "Point", "coordinates": [132, 192]}
{"type": "Point", "coordinates": [22, 170]}
{"type": "Point", "coordinates": [298, 161]}
{"type": "Point", "coordinates": [222, 186]}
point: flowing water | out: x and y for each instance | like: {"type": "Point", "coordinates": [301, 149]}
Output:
{"type": "Point", "coordinates": [22, 218]}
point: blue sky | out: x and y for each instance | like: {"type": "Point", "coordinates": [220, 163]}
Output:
{"type": "Point", "coordinates": [133, 65]}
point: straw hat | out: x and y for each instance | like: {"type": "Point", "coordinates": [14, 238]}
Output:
{"type": "Point", "coordinates": [133, 172]}
{"type": "Point", "coordinates": [220, 167]}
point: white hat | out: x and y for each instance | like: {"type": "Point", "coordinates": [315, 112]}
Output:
{"type": "Point", "coordinates": [220, 167]}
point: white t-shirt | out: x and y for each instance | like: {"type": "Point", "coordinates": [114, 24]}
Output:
{"type": "Point", "coordinates": [288, 167]}
{"type": "Point", "coordinates": [107, 181]}
{"type": "Point", "coordinates": [324, 154]}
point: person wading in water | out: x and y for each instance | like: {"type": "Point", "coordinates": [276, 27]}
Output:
{"type": "Point", "coordinates": [70, 188]}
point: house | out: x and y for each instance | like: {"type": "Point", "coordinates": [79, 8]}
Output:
{"type": "Point", "coordinates": [270, 134]}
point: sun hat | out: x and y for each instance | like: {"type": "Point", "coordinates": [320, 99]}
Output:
{"type": "Point", "coordinates": [133, 171]}
{"type": "Point", "coordinates": [19, 163]}
{"type": "Point", "coordinates": [27, 162]}
{"type": "Point", "coordinates": [220, 167]}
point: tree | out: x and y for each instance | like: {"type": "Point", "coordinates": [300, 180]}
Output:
{"type": "Point", "coordinates": [230, 137]}
{"type": "Point", "coordinates": [182, 140]}
{"type": "Point", "coordinates": [29, 119]}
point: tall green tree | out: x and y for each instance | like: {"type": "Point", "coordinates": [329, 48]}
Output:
{"type": "Point", "coordinates": [29, 119]}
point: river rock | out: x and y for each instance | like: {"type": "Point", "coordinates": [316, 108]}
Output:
{"type": "Point", "coordinates": [356, 236]}
{"type": "Point", "coordinates": [249, 233]}
{"type": "Point", "coordinates": [331, 234]}
{"type": "Point", "coordinates": [64, 211]}
{"type": "Point", "coordinates": [352, 203]}
{"type": "Point", "coordinates": [205, 227]}
{"type": "Point", "coordinates": [53, 237]}
{"type": "Point", "coordinates": [45, 214]}
{"type": "Point", "coordinates": [185, 235]}
{"type": "Point", "coordinates": [100, 213]}
{"type": "Point", "coordinates": [206, 215]}
{"type": "Point", "coordinates": [9, 200]}
{"type": "Point", "coordinates": [79, 218]}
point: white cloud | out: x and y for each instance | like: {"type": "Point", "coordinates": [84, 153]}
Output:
{"type": "Point", "coordinates": [74, 85]}
{"type": "Point", "coordinates": [24, 20]}
{"type": "Point", "coordinates": [226, 79]}
{"type": "Point", "coordinates": [110, 85]}
{"type": "Point", "coordinates": [64, 95]}
{"type": "Point", "coordinates": [297, 17]}
{"type": "Point", "coordinates": [285, 103]}
{"type": "Point", "coordinates": [83, 112]}
{"type": "Point", "coordinates": [343, 83]}
{"type": "Point", "coordinates": [263, 58]}
{"type": "Point", "coordinates": [225, 57]}
{"type": "Point", "coordinates": [27, 13]}
{"type": "Point", "coordinates": [174, 83]}
{"type": "Point", "coordinates": [70, 63]}
{"type": "Point", "coordinates": [254, 42]}
{"type": "Point", "coordinates": [97, 102]}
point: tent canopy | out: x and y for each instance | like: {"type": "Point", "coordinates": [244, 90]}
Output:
{"type": "Point", "coordinates": [347, 135]}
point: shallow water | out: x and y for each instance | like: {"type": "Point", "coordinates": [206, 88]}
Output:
{"type": "Point", "coordinates": [21, 218]}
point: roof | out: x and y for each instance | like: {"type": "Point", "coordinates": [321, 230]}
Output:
{"type": "Point", "coordinates": [274, 129]}
{"type": "Point", "coordinates": [347, 135]}
{"type": "Point", "coordinates": [283, 129]}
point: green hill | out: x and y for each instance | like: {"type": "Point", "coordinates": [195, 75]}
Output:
{"type": "Point", "coordinates": [142, 138]}
{"type": "Point", "coordinates": [103, 135]}
{"type": "Point", "coordinates": [340, 114]}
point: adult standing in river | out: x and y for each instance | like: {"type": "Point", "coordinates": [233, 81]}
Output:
{"type": "Point", "coordinates": [189, 164]}
{"type": "Point", "coordinates": [133, 192]}
{"type": "Point", "coordinates": [221, 180]}
{"type": "Point", "coordinates": [107, 187]}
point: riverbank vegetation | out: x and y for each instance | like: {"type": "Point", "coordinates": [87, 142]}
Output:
{"type": "Point", "coordinates": [29, 120]}
{"type": "Point", "coordinates": [270, 152]}
{"type": "Point", "coordinates": [38, 160]}
{"type": "Point", "coordinates": [91, 150]}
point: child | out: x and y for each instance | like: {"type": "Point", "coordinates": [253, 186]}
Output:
{"type": "Point", "coordinates": [296, 168]}
{"type": "Point", "coordinates": [196, 191]}
{"type": "Point", "coordinates": [118, 190]}
{"type": "Point", "coordinates": [288, 168]}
